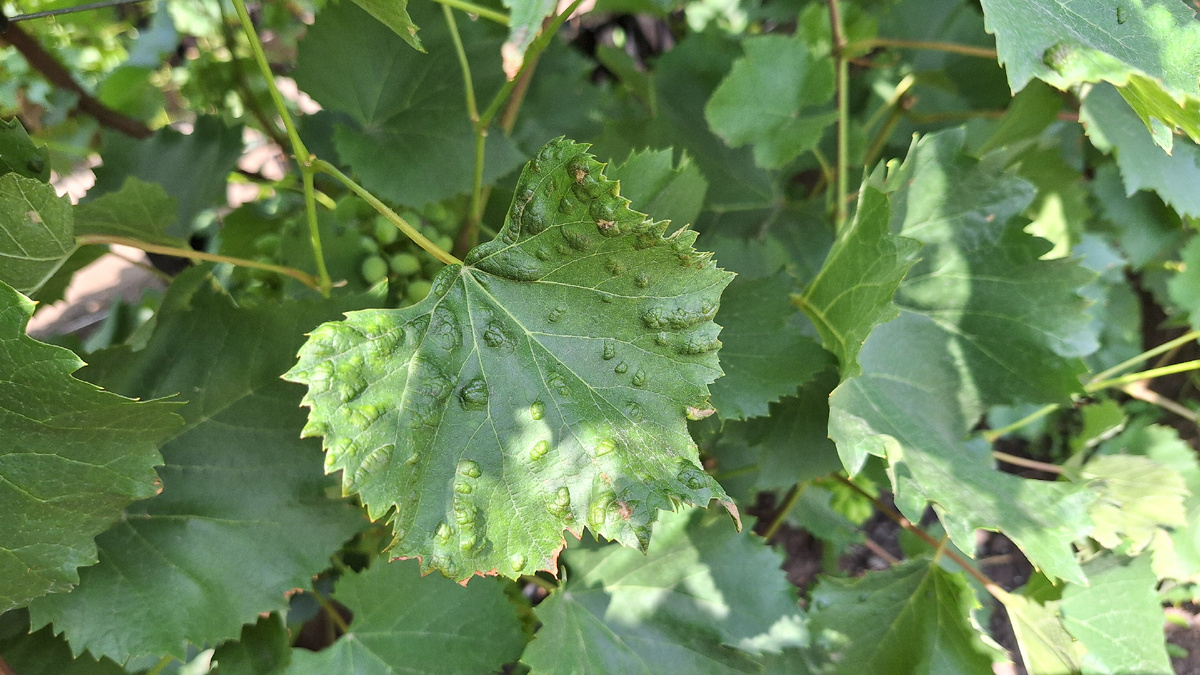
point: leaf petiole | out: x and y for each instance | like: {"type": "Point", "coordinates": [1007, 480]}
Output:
{"type": "Point", "coordinates": [477, 10]}
{"type": "Point", "coordinates": [303, 277]}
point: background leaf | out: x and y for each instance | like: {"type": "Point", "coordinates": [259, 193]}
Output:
{"type": "Point", "coordinates": [139, 210]}
{"type": "Point", "coordinates": [409, 623]}
{"type": "Point", "coordinates": [700, 590]}
{"type": "Point", "coordinates": [394, 15]}
{"type": "Point", "coordinates": [912, 618]}
{"type": "Point", "coordinates": [543, 386]}
{"type": "Point", "coordinates": [774, 98]}
{"type": "Point", "coordinates": [242, 517]}
{"type": "Point", "coordinates": [72, 458]}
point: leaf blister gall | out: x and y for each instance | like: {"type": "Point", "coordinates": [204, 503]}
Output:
{"type": "Point", "coordinates": [503, 335]}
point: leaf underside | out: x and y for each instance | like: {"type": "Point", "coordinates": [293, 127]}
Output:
{"type": "Point", "coordinates": [543, 386]}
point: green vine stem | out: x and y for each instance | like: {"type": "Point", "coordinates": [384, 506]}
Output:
{"type": "Point", "coordinates": [1148, 354]}
{"type": "Point", "coordinates": [303, 157]}
{"type": "Point", "coordinates": [965, 50]}
{"type": "Point", "coordinates": [162, 663]}
{"type": "Point", "coordinates": [463, 63]}
{"type": "Point", "coordinates": [1097, 384]}
{"type": "Point", "coordinates": [843, 112]}
{"type": "Point", "coordinates": [789, 502]}
{"type": "Point", "coordinates": [1027, 463]}
{"type": "Point", "coordinates": [477, 10]}
{"type": "Point", "coordinates": [303, 277]}
{"type": "Point", "coordinates": [408, 230]}
{"type": "Point", "coordinates": [991, 586]}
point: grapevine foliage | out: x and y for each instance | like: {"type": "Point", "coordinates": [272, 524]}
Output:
{"type": "Point", "coordinates": [466, 364]}
{"type": "Point", "coordinates": [543, 385]}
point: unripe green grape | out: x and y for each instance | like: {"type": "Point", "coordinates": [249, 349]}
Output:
{"type": "Point", "coordinates": [347, 209]}
{"type": "Point", "coordinates": [374, 269]}
{"type": "Point", "coordinates": [444, 242]}
{"type": "Point", "coordinates": [412, 218]}
{"type": "Point", "coordinates": [368, 244]}
{"type": "Point", "coordinates": [385, 231]}
{"type": "Point", "coordinates": [417, 290]}
{"type": "Point", "coordinates": [437, 212]}
{"type": "Point", "coordinates": [405, 264]}
{"type": "Point", "coordinates": [268, 243]}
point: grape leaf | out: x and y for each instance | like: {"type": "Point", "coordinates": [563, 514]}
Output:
{"type": "Point", "coordinates": [1045, 644]}
{"type": "Point", "coordinates": [774, 98]}
{"type": "Point", "coordinates": [1113, 128]}
{"type": "Point", "coordinates": [1118, 617]}
{"type": "Point", "coordinates": [544, 385]}
{"type": "Point", "coordinates": [394, 15]}
{"type": "Point", "coordinates": [19, 154]}
{"type": "Point", "coordinates": [1136, 497]}
{"type": "Point", "coordinates": [73, 456]}
{"type": "Point", "coordinates": [192, 168]}
{"type": "Point", "coordinates": [264, 648]}
{"type": "Point", "coordinates": [43, 653]}
{"type": "Point", "coordinates": [139, 210]}
{"type": "Point", "coordinates": [702, 599]}
{"type": "Point", "coordinates": [764, 357]}
{"type": "Point", "coordinates": [242, 517]}
{"type": "Point", "coordinates": [912, 618]}
{"type": "Point", "coordinates": [524, 23]}
{"type": "Point", "coordinates": [792, 443]}
{"type": "Point", "coordinates": [36, 232]}
{"type": "Point", "coordinates": [652, 180]}
{"type": "Point", "coordinates": [405, 105]}
{"type": "Point", "coordinates": [852, 293]}
{"type": "Point", "coordinates": [406, 623]}
{"type": "Point", "coordinates": [1150, 50]}
{"type": "Point", "coordinates": [966, 337]}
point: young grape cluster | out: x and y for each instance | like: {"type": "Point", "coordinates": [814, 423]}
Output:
{"type": "Point", "coordinates": [391, 256]}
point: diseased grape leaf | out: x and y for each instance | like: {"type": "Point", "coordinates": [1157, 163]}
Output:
{"type": "Point", "coordinates": [407, 623]}
{"type": "Point", "coordinates": [1114, 128]}
{"type": "Point", "coordinates": [1149, 49]}
{"type": "Point", "coordinates": [72, 457]}
{"type": "Point", "coordinates": [775, 98]}
{"type": "Point", "coordinates": [243, 516]}
{"type": "Point", "coordinates": [982, 321]}
{"type": "Point", "coordinates": [1118, 617]}
{"type": "Point", "coordinates": [36, 232]}
{"type": "Point", "coordinates": [192, 168]}
{"type": "Point", "coordinates": [671, 191]}
{"type": "Point", "coordinates": [702, 599]}
{"type": "Point", "coordinates": [139, 210]}
{"type": "Point", "coordinates": [764, 357]}
{"type": "Point", "coordinates": [912, 618]}
{"type": "Point", "coordinates": [394, 15]}
{"type": "Point", "coordinates": [543, 386]}
{"type": "Point", "coordinates": [405, 105]}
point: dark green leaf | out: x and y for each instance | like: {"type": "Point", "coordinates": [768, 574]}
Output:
{"type": "Point", "coordinates": [72, 458]}
{"type": "Point", "coordinates": [44, 653]}
{"type": "Point", "coordinates": [192, 168]}
{"type": "Point", "coordinates": [764, 356]}
{"type": "Point", "coordinates": [242, 518]}
{"type": "Point", "coordinates": [914, 618]}
{"type": "Point", "coordinates": [36, 232]}
{"type": "Point", "coordinates": [652, 180]}
{"type": "Point", "coordinates": [19, 154]}
{"type": "Point", "coordinates": [394, 15]}
{"type": "Point", "coordinates": [700, 591]}
{"type": "Point", "coordinates": [264, 648]}
{"type": "Point", "coordinates": [404, 622]}
{"type": "Point", "coordinates": [774, 98]}
{"type": "Point", "coordinates": [139, 210]}
{"type": "Point", "coordinates": [412, 142]}
{"type": "Point", "coordinates": [543, 386]}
